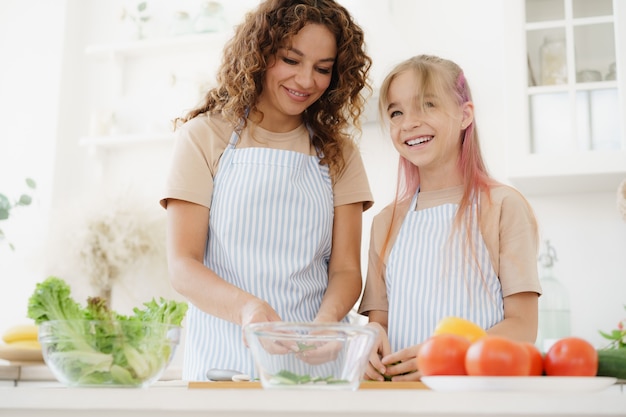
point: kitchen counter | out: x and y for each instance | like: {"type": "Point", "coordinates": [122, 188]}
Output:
{"type": "Point", "coordinates": [174, 398]}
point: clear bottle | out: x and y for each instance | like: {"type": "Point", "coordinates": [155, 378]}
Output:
{"type": "Point", "coordinates": [211, 18]}
{"type": "Point", "coordinates": [181, 23]}
{"type": "Point", "coordinates": [554, 308]}
{"type": "Point", "coordinates": [553, 61]}
{"type": "Point", "coordinates": [612, 75]}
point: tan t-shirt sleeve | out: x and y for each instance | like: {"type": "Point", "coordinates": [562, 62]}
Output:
{"type": "Point", "coordinates": [509, 228]}
{"type": "Point", "coordinates": [352, 185]}
{"type": "Point", "coordinates": [198, 145]}
{"type": "Point", "coordinates": [375, 292]}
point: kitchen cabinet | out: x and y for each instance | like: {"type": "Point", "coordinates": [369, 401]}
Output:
{"type": "Point", "coordinates": [567, 96]}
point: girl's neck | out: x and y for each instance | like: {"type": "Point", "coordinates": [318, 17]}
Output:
{"type": "Point", "coordinates": [430, 181]}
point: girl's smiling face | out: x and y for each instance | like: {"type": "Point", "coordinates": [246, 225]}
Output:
{"type": "Point", "coordinates": [296, 77]}
{"type": "Point", "coordinates": [425, 127]}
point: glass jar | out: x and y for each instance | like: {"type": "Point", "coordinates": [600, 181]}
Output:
{"type": "Point", "coordinates": [211, 18]}
{"type": "Point", "coordinates": [181, 24]}
{"type": "Point", "coordinates": [611, 76]}
{"type": "Point", "coordinates": [553, 61]}
{"type": "Point", "coordinates": [554, 309]}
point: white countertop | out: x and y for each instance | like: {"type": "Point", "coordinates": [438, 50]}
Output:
{"type": "Point", "coordinates": [174, 398]}
{"type": "Point", "coordinates": [15, 373]}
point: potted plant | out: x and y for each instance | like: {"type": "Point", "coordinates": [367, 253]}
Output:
{"type": "Point", "coordinates": [6, 205]}
{"type": "Point", "coordinates": [139, 17]}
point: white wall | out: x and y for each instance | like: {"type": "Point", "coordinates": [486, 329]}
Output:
{"type": "Point", "coordinates": [585, 229]}
{"type": "Point", "coordinates": [31, 45]}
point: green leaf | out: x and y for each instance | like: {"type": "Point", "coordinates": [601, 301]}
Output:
{"type": "Point", "coordinates": [122, 376]}
{"type": "Point", "coordinates": [5, 206]}
{"type": "Point", "coordinates": [614, 335]}
{"type": "Point", "coordinates": [25, 200]}
{"type": "Point", "coordinates": [52, 301]}
{"type": "Point", "coordinates": [139, 363]}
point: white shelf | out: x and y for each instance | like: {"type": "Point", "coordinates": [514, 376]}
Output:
{"type": "Point", "coordinates": [579, 86]}
{"type": "Point", "coordinates": [146, 46]}
{"type": "Point", "coordinates": [116, 141]}
{"type": "Point", "coordinates": [579, 21]}
{"type": "Point", "coordinates": [584, 172]}
{"type": "Point", "coordinates": [532, 186]}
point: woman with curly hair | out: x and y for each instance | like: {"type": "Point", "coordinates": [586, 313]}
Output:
{"type": "Point", "coordinates": [267, 188]}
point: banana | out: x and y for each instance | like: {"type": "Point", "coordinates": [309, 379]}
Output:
{"type": "Point", "coordinates": [25, 344]}
{"type": "Point", "coordinates": [22, 332]}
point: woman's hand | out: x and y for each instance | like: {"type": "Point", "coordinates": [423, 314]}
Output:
{"type": "Point", "coordinates": [376, 370]}
{"type": "Point", "coordinates": [402, 365]}
{"type": "Point", "coordinates": [257, 311]}
{"type": "Point", "coordinates": [319, 353]}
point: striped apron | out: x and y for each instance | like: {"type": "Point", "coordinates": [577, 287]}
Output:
{"type": "Point", "coordinates": [270, 234]}
{"type": "Point", "coordinates": [428, 277]}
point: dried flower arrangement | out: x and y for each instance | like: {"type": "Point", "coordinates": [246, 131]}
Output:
{"type": "Point", "coordinates": [110, 239]}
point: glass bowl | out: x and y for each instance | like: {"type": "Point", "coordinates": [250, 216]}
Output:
{"type": "Point", "coordinates": [92, 353]}
{"type": "Point", "coordinates": [292, 355]}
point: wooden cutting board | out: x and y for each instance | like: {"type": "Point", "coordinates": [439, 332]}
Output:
{"type": "Point", "coordinates": [256, 384]}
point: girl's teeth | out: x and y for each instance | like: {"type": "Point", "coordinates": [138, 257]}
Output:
{"type": "Point", "coordinates": [417, 141]}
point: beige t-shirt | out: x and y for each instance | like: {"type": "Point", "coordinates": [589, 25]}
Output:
{"type": "Point", "coordinates": [201, 141]}
{"type": "Point", "coordinates": [508, 227]}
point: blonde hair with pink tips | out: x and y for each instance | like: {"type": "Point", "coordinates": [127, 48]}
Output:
{"type": "Point", "coordinates": [442, 78]}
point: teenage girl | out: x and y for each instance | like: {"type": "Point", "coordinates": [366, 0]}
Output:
{"type": "Point", "coordinates": [455, 242]}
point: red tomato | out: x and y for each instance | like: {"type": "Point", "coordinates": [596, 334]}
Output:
{"type": "Point", "coordinates": [571, 356]}
{"type": "Point", "coordinates": [497, 356]}
{"type": "Point", "coordinates": [536, 359]}
{"type": "Point", "coordinates": [443, 354]}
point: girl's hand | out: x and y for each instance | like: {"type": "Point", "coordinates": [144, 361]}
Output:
{"type": "Point", "coordinates": [402, 365]}
{"type": "Point", "coordinates": [376, 370]}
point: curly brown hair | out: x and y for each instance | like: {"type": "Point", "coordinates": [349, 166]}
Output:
{"type": "Point", "coordinates": [259, 37]}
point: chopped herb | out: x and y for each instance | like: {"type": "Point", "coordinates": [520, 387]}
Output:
{"type": "Point", "coordinates": [285, 377]}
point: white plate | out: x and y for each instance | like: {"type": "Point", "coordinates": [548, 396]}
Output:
{"type": "Point", "coordinates": [514, 383]}
{"type": "Point", "coordinates": [20, 354]}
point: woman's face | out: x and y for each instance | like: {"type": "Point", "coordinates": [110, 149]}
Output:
{"type": "Point", "coordinates": [428, 135]}
{"type": "Point", "coordinates": [297, 76]}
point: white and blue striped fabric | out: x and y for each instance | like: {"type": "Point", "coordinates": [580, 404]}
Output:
{"type": "Point", "coordinates": [431, 275]}
{"type": "Point", "coordinates": [270, 234]}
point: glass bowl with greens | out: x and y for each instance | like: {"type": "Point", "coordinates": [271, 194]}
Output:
{"type": "Point", "coordinates": [95, 346]}
{"type": "Point", "coordinates": [290, 355]}
{"type": "Point", "coordinates": [119, 353]}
